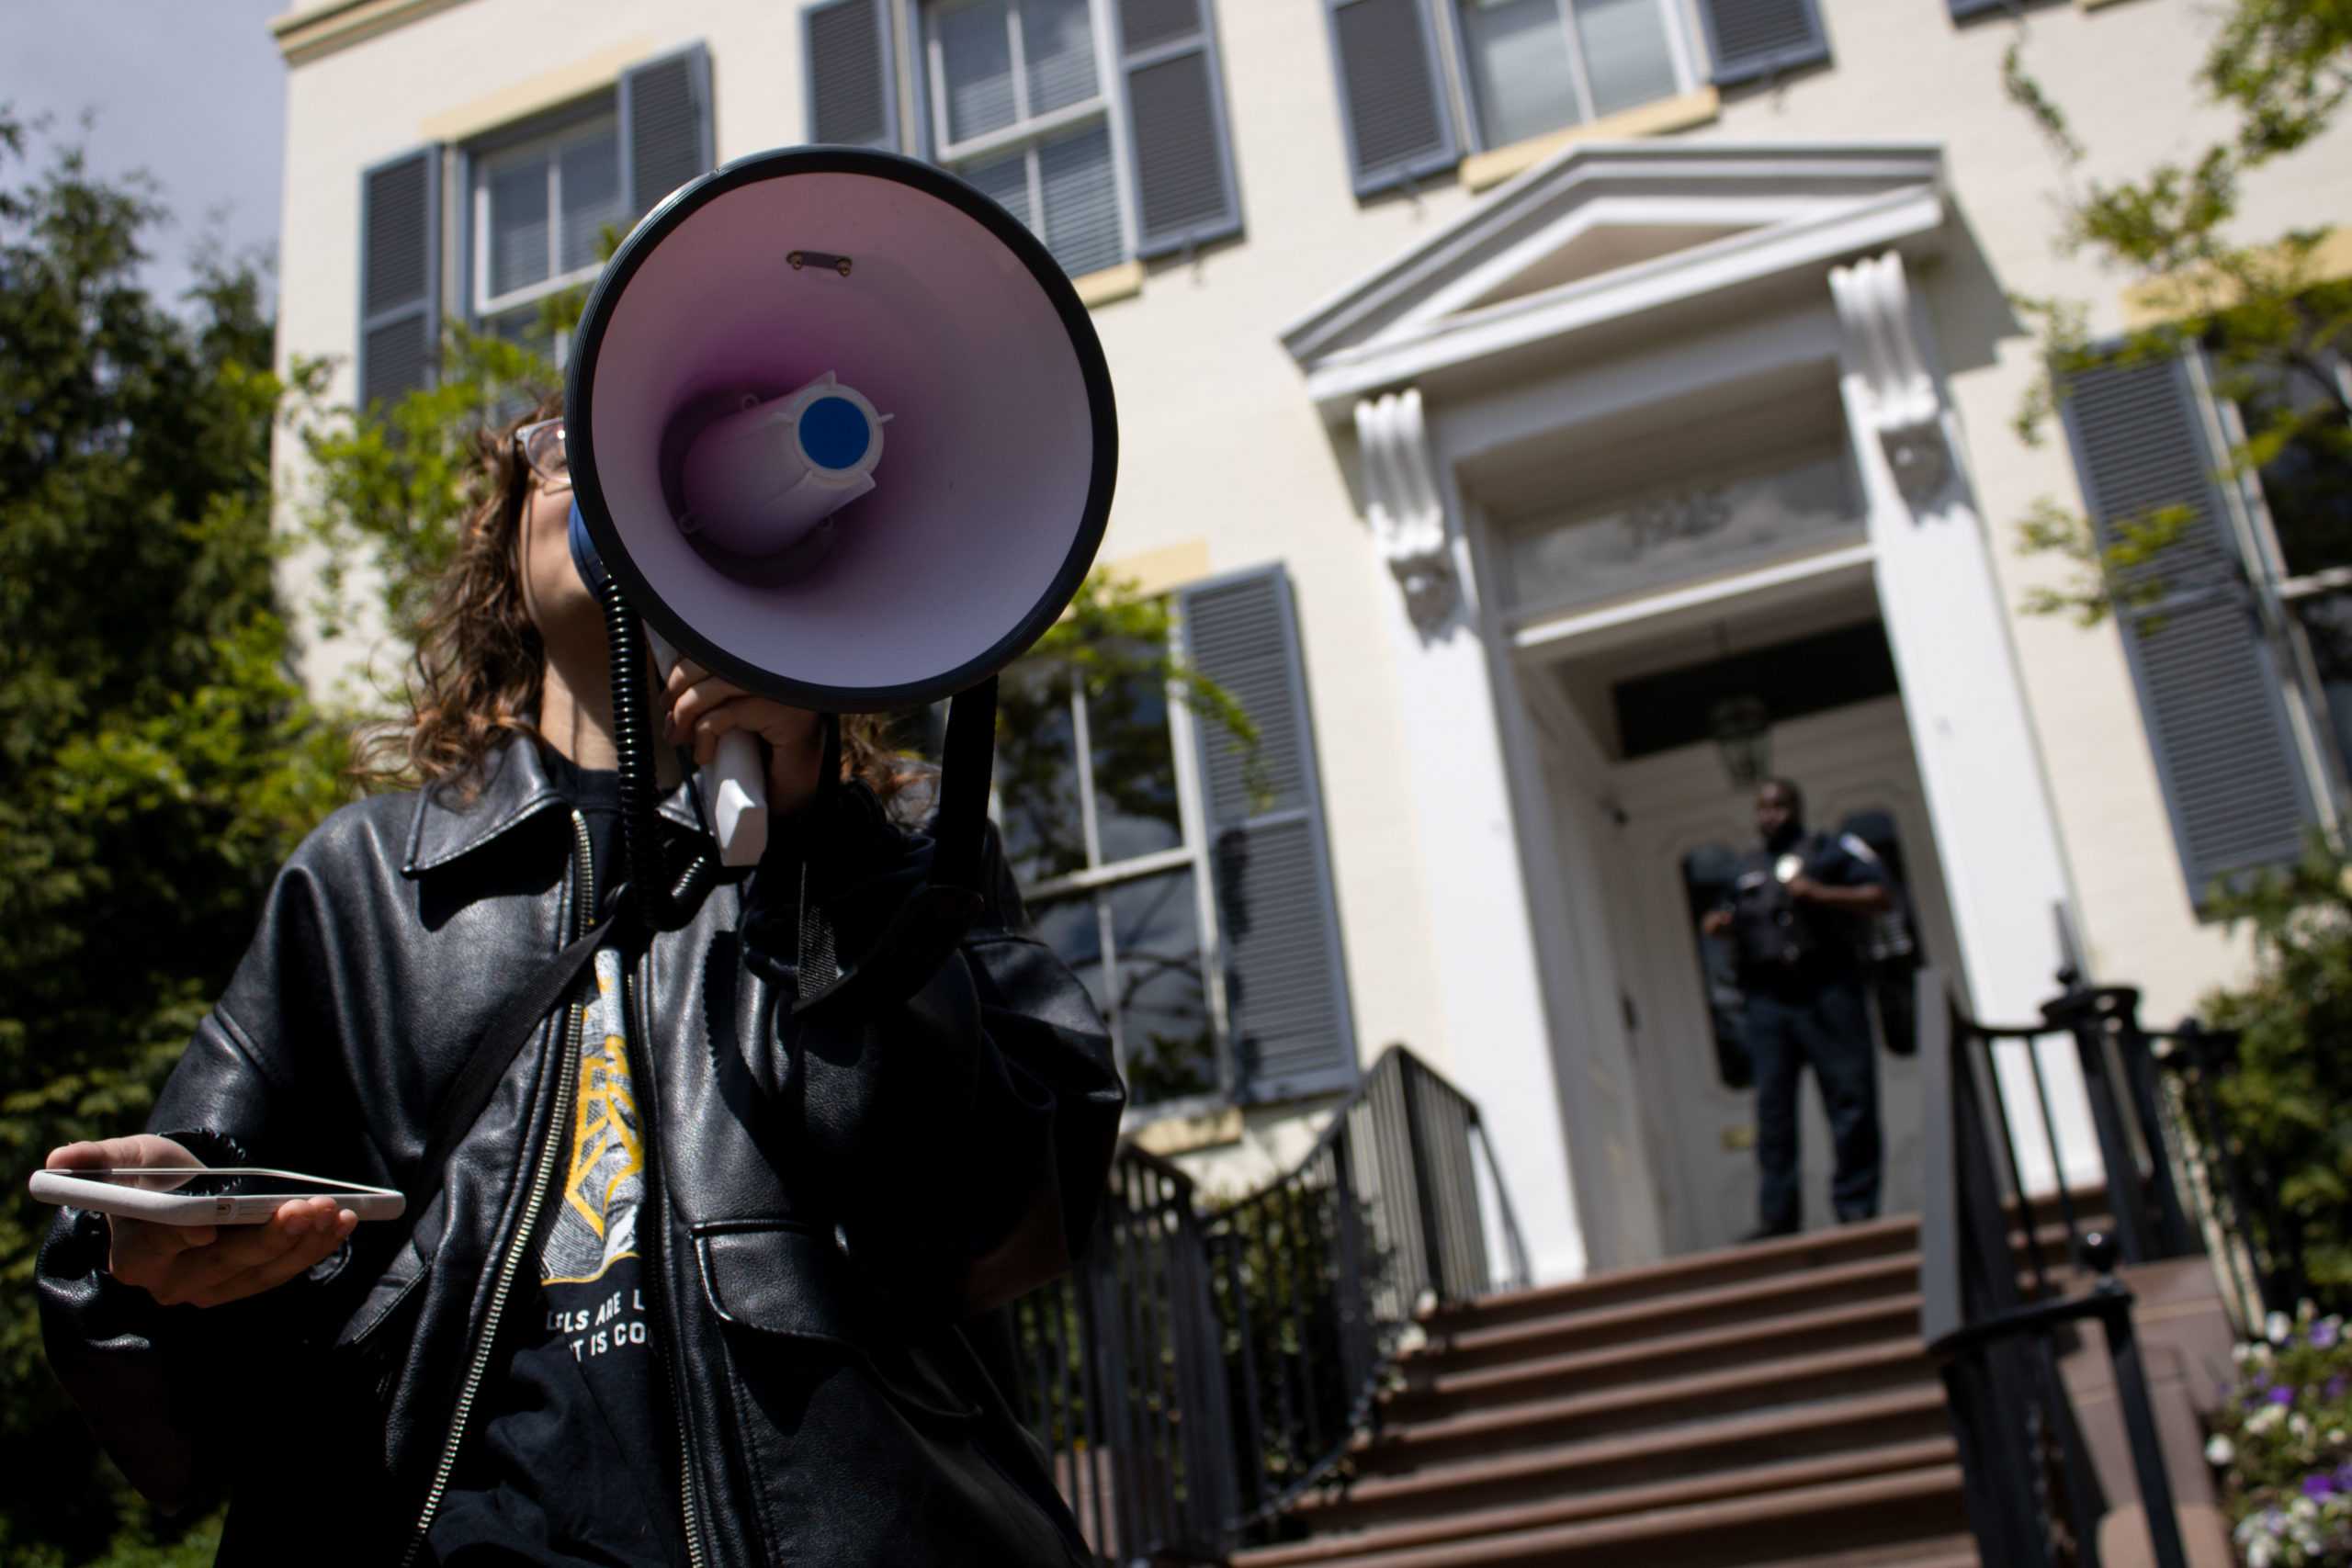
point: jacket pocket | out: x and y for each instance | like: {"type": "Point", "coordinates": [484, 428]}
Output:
{"type": "Point", "coordinates": [789, 1282]}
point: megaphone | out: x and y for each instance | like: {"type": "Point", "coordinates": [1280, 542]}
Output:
{"type": "Point", "coordinates": [841, 431]}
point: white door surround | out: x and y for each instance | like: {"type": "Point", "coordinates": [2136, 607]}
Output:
{"type": "Point", "coordinates": [1482, 346]}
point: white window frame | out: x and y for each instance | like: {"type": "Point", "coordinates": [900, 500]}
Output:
{"type": "Point", "coordinates": [546, 146]}
{"type": "Point", "coordinates": [2277, 594]}
{"type": "Point", "coordinates": [1028, 132]}
{"type": "Point", "coordinates": [1679, 47]}
{"type": "Point", "coordinates": [1194, 854]}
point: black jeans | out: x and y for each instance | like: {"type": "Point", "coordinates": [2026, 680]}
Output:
{"type": "Point", "coordinates": [1828, 1028]}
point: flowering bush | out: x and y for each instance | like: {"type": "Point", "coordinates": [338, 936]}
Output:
{"type": "Point", "coordinates": [2281, 1448]}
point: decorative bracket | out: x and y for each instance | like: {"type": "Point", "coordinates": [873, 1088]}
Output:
{"type": "Point", "coordinates": [1900, 404]}
{"type": "Point", "coordinates": [1408, 517]}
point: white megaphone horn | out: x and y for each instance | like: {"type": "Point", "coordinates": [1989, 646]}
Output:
{"type": "Point", "coordinates": [730, 384]}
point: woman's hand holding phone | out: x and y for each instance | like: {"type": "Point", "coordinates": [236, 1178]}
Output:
{"type": "Point", "coordinates": [206, 1265]}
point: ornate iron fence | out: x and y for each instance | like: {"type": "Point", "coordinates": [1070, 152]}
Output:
{"type": "Point", "coordinates": [1208, 1363]}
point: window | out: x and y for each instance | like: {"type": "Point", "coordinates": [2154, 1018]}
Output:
{"type": "Point", "coordinates": [539, 213]}
{"type": "Point", "coordinates": [1537, 65]}
{"type": "Point", "coordinates": [2302, 520]}
{"type": "Point", "coordinates": [1517, 69]}
{"type": "Point", "coordinates": [1099, 123]}
{"type": "Point", "coordinates": [1089, 803]}
{"type": "Point", "coordinates": [1187, 886]}
{"type": "Point", "coordinates": [1019, 108]}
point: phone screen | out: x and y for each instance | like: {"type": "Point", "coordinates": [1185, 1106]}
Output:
{"type": "Point", "coordinates": [215, 1184]}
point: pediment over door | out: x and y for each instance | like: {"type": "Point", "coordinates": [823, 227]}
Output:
{"type": "Point", "coordinates": [1608, 237]}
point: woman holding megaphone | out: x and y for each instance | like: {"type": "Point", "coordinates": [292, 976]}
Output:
{"type": "Point", "coordinates": [693, 1230]}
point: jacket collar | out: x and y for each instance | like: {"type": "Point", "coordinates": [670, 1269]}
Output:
{"type": "Point", "coordinates": [514, 787]}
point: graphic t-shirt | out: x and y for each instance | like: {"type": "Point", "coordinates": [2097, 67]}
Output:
{"type": "Point", "coordinates": [571, 1457]}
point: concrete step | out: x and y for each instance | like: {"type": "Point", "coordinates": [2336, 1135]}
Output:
{"type": "Point", "coordinates": [1753, 1386]}
{"type": "Point", "coordinates": [1892, 1513]}
{"type": "Point", "coordinates": [1693, 1271]}
{"type": "Point", "coordinates": [1476, 1343]}
{"type": "Point", "coordinates": [1434, 1387]}
{"type": "Point", "coordinates": [1714, 1486]}
{"type": "Point", "coordinates": [1619, 1458]}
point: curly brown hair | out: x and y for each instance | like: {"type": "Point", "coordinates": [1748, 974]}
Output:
{"type": "Point", "coordinates": [475, 676]}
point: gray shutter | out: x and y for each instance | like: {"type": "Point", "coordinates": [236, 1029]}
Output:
{"type": "Point", "coordinates": [1748, 38]}
{"type": "Point", "coordinates": [665, 125]}
{"type": "Point", "coordinates": [1285, 989]}
{"type": "Point", "coordinates": [851, 80]}
{"type": "Point", "coordinates": [2210, 690]}
{"type": "Point", "coordinates": [399, 275]}
{"type": "Point", "coordinates": [1176, 124]}
{"type": "Point", "coordinates": [1393, 102]}
{"type": "Point", "coordinates": [1965, 8]}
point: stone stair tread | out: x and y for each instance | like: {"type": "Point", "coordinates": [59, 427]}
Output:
{"type": "Point", "coordinates": [1497, 1380]}
{"type": "Point", "coordinates": [1745, 1481]}
{"type": "Point", "coordinates": [1790, 1254]}
{"type": "Point", "coordinates": [1560, 1459]}
{"type": "Point", "coordinates": [1498, 1421]}
{"type": "Point", "coordinates": [1825, 1281]}
{"type": "Point", "coordinates": [1677, 1524]}
{"type": "Point", "coordinates": [1957, 1550]}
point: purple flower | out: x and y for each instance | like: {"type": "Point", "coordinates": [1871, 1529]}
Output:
{"type": "Point", "coordinates": [2335, 1386]}
{"type": "Point", "coordinates": [2282, 1394]}
{"type": "Point", "coordinates": [2319, 1486]}
{"type": "Point", "coordinates": [2326, 1332]}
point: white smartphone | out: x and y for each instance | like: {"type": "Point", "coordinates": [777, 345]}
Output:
{"type": "Point", "coordinates": [201, 1195]}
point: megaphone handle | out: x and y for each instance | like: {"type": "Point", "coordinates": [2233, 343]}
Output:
{"type": "Point", "coordinates": [735, 786]}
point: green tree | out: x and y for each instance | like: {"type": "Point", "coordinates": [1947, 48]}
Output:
{"type": "Point", "coordinates": [160, 759]}
{"type": "Point", "coordinates": [2260, 305]}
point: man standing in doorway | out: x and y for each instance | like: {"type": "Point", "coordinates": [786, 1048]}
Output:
{"type": "Point", "coordinates": [1795, 914]}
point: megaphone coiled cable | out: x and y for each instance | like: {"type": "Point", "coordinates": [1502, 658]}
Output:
{"type": "Point", "coordinates": [633, 738]}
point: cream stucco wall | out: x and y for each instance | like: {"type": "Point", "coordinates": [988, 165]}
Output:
{"type": "Point", "coordinates": [1225, 460]}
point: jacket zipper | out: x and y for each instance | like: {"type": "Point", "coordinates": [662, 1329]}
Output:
{"type": "Point", "coordinates": [584, 911]}
{"type": "Point", "coordinates": [657, 1188]}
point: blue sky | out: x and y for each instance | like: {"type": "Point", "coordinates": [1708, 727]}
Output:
{"type": "Point", "coordinates": [192, 91]}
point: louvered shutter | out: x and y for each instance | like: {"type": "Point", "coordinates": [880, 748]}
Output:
{"type": "Point", "coordinates": [1278, 929]}
{"type": "Point", "coordinates": [665, 125]}
{"type": "Point", "coordinates": [2210, 692]}
{"type": "Point", "coordinates": [399, 275]}
{"type": "Point", "coordinates": [1176, 125]}
{"type": "Point", "coordinates": [1393, 101]}
{"type": "Point", "coordinates": [1748, 38]}
{"type": "Point", "coordinates": [851, 82]}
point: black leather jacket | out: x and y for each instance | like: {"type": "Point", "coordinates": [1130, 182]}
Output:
{"type": "Point", "coordinates": [833, 1189]}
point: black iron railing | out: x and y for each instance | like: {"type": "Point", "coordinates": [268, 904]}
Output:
{"type": "Point", "coordinates": [2033, 1497]}
{"type": "Point", "coordinates": [1208, 1363]}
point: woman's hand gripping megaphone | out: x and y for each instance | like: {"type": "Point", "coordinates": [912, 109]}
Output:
{"type": "Point", "coordinates": [721, 724]}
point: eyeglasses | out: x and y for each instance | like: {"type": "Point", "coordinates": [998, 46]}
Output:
{"type": "Point", "coordinates": [542, 448]}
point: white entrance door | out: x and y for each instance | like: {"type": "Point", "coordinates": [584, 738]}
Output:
{"type": "Point", "coordinates": [1678, 805]}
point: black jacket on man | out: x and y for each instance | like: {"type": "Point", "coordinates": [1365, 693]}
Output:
{"type": "Point", "coordinates": [832, 1189]}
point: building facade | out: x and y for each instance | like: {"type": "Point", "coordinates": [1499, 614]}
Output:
{"type": "Point", "coordinates": [1532, 409]}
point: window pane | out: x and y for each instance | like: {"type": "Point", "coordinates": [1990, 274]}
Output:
{"type": "Point", "coordinates": [1082, 197]}
{"type": "Point", "coordinates": [1072, 928]}
{"type": "Point", "coordinates": [976, 56]}
{"type": "Point", "coordinates": [1167, 1049]}
{"type": "Point", "coordinates": [1519, 67]}
{"type": "Point", "coordinates": [2327, 626]}
{"type": "Point", "coordinates": [2307, 488]}
{"type": "Point", "coordinates": [518, 226]}
{"type": "Point", "coordinates": [1135, 768]}
{"type": "Point", "coordinates": [1004, 181]}
{"type": "Point", "coordinates": [1058, 46]}
{"type": "Point", "coordinates": [1626, 60]}
{"type": "Point", "coordinates": [592, 198]}
{"type": "Point", "coordinates": [1037, 779]}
